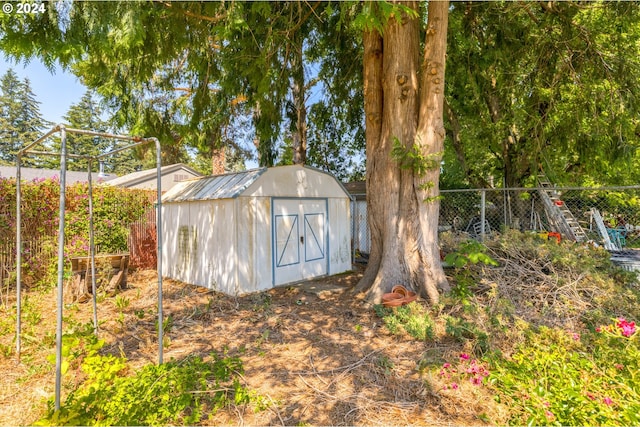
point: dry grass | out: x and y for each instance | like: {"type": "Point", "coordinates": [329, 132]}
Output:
{"type": "Point", "coordinates": [317, 354]}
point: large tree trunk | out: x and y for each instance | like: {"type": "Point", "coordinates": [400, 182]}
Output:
{"type": "Point", "coordinates": [404, 108]}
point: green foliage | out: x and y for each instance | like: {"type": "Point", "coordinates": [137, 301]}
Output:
{"type": "Point", "coordinates": [386, 364]}
{"type": "Point", "coordinates": [375, 15]}
{"type": "Point", "coordinates": [467, 332]}
{"type": "Point", "coordinates": [178, 393]}
{"type": "Point", "coordinates": [563, 378]}
{"type": "Point", "coordinates": [468, 252]}
{"type": "Point", "coordinates": [238, 70]}
{"type": "Point", "coordinates": [78, 341]}
{"type": "Point", "coordinates": [412, 318]}
{"type": "Point", "coordinates": [577, 373]}
{"type": "Point", "coordinates": [413, 159]}
{"type": "Point", "coordinates": [88, 114]}
{"type": "Point", "coordinates": [538, 92]}
{"type": "Point", "coordinates": [336, 140]}
{"type": "Point", "coordinates": [20, 118]}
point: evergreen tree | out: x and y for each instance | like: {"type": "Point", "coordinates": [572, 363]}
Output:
{"type": "Point", "coordinates": [85, 115]}
{"type": "Point", "coordinates": [20, 118]}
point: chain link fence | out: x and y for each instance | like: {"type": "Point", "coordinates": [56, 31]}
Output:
{"type": "Point", "coordinates": [605, 216]}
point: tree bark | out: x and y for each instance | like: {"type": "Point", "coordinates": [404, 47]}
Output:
{"type": "Point", "coordinates": [405, 134]}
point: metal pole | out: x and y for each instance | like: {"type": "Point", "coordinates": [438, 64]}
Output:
{"type": "Point", "coordinates": [483, 211]}
{"type": "Point", "coordinates": [159, 249]}
{"type": "Point", "coordinates": [92, 253]}
{"type": "Point", "coordinates": [69, 155]}
{"type": "Point", "coordinates": [104, 134]}
{"type": "Point", "coordinates": [39, 140]}
{"type": "Point", "coordinates": [63, 174]}
{"type": "Point", "coordinates": [128, 147]}
{"type": "Point", "coordinates": [18, 258]}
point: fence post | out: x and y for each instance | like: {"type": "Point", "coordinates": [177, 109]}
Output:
{"type": "Point", "coordinates": [483, 211]}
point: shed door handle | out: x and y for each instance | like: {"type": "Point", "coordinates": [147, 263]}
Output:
{"type": "Point", "coordinates": [302, 240]}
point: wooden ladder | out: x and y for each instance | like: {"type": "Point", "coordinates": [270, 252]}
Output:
{"type": "Point", "coordinates": [560, 217]}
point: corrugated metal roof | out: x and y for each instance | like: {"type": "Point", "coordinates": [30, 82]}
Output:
{"type": "Point", "coordinates": [226, 186]}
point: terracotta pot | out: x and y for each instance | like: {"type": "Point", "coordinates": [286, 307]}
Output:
{"type": "Point", "coordinates": [398, 296]}
{"type": "Point", "coordinates": [392, 299]}
{"type": "Point", "coordinates": [411, 296]}
{"type": "Point", "coordinates": [399, 289]}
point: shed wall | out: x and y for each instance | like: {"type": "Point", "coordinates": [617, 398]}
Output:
{"type": "Point", "coordinates": [200, 244]}
{"type": "Point", "coordinates": [339, 236]}
{"type": "Point", "coordinates": [254, 243]}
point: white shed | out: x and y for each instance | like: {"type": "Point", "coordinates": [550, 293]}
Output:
{"type": "Point", "coordinates": [253, 230]}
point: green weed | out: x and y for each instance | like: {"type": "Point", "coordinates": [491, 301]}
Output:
{"type": "Point", "coordinates": [178, 393]}
{"type": "Point", "coordinates": [563, 378]}
{"type": "Point", "coordinates": [413, 318]}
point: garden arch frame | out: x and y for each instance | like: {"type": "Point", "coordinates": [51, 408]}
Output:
{"type": "Point", "coordinates": [64, 155]}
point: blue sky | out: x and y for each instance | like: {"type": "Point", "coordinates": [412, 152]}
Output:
{"type": "Point", "coordinates": [55, 92]}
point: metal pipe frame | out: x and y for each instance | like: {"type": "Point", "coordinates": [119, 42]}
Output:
{"type": "Point", "coordinates": [92, 251]}
{"type": "Point", "coordinates": [137, 141]}
{"type": "Point", "coordinates": [63, 194]}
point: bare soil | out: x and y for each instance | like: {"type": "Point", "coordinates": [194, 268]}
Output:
{"type": "Point", "coordinates": [318, 353]}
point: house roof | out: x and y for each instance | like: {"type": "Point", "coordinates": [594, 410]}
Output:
{"type": "Point", "coordinates": [225, 186]}
{"type": "Point", "coordinates": [280, 181]}
{"type": "Point", "coordinates": [357, 189]}
{"type": "Point", "coordinates": [31, 174]}
{"type": "Point", "coordinates": [135, 178]}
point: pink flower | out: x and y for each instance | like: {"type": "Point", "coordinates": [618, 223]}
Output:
{"type": "Point", "coordinates": [576, 336]}
{"type": "Point", "coordinates": [628, 328]}
{"type": "Point", "coordinates": [619, 366]}
{"type": "Point", "coordinates": [549, 415]}
{"type": "Point", "coordinates": [464, 356]}
{"type": "Point", "coordinates": [454, 386]}
{"type": "Point", "coordinates": [607, 401]}
{"type": "Point", "coordinates": [446, 365]}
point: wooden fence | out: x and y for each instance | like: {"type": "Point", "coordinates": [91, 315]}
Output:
{"type": "Point", "coordinates": [39, 253]}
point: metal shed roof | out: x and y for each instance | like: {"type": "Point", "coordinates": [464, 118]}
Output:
{"type": "Point", "coordinates": [226, 186]}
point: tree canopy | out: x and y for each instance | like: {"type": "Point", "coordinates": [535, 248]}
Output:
{"type": "Point", "coordinates": [188, 72]}
{"type": "Point", "coordinates": [531, 85]}
{"type": "Point", "coordinates": [20, 118]}
{"type": "Point", "coordinates": [549, 86]}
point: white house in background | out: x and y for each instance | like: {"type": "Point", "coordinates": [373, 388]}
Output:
{"type": "Point", "coordinates": [250, 231]}
{"type": "Point", "coordinates": [148, 179]}
{"type": "Point", "coordinates": [71, 177]}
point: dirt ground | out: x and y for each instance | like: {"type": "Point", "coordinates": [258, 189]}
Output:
{"type": "Point", "coordinates": [316, 352]}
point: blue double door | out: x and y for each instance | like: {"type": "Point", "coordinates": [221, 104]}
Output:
{"type": "Point", "coordinates": [300, 244]}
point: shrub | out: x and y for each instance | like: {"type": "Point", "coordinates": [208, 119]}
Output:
{"type": "Point", "coordinates": [413, 318]}
{"type": "Point", "coordinates": [564, 378]}
{"type": "Point", "coordinates": [177, 393]}
{"type": "Point", "coordinates": [114, 210]}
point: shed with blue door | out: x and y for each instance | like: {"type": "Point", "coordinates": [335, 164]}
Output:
{"type": "Point", "coordinates": [250, 231]}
